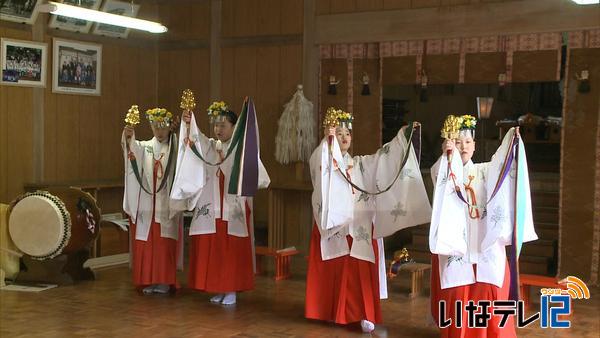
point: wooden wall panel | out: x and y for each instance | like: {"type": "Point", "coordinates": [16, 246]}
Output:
{"type": "Point", "coordinates": [4, 161]}
{"type": "Point", "coordinates": [396, 4]}
{"type": "Point", "coordinates": [269, 74]}
{"type": "Point", "coordinates": [89, 138]}
{"type": "Point", "coordinates": [339, 68]}
{"type": "Point", "coordinates": [455, 2]}
{"type": "Point", "coordinates": [578, 158]}
{"type": "Point", "coordinates": [502, 18]}
{"type": "Point", "coordinates": [16, 111]}
{"type": "Point", "coordinates": [369, 5]}
{"type": "Point", "coordinates": [399, 70]}
{"type": "Point", "coordinates": [227, 18]}
{"type": "Point", "coordinates": [227, 74]}
{"type": "Point", "coordinates": [292, 14]}
{"type": "Point", "coordinates": [200, 83]}
{"type": "Point", "coordinates": [110, 136]}
{"type": "Point", "coordinates": [268, 17]}
{"type": "Point", "coordinates": [441, 69]}
{"type": "Point", "coordinates": [19, 137]}
{"type": "Point", "coordinates": [185, 20]}
{"type": "Point", "coordinates": [322, 7]}
{"type": "Point", "coordinates": [425, 3]}
{"type": "Point", "coordinates": [267, 99]}
{"type": "Point", "coordinates": [245, 14]}
{"type": "Point", "coordinates": [366, 136]}
{"type": "Point", "coordinates": [538, 66]}
{"type": "Point", "coordinates": [245, 76]}
{"type": "Point", "coordinates": [484, 67]}
{"type": "Point", "coordinates": [343, 6]}
{"type": "Point", "coordinates": [251, 18]}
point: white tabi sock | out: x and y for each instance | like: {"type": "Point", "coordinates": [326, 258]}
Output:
{"type": "Point", "coordinates": [367, 326]}
{"type": "Point", "coordinates": [217, 299]}
{"type": "Point", "coordinates": [148, 289]}
{"type": "Point", "coordinates": [229, 298]}
{"type": "Point", "coordinates": [162, 288]}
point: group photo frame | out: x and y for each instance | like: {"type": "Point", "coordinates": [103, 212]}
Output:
{"type": "Point", "coordinates": [76, 67]}
{"type": "Point", "coordinates": [23, 63]}
{"type": "Point", "coordinates": [72, 24]}
{"type": "Point", "coordinates": [119, 8]}
{"type": "Point", "coordinates": [21, 11]}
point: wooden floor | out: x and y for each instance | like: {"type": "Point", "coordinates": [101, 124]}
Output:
{"type": "Point", "coordinates": [110, 307]}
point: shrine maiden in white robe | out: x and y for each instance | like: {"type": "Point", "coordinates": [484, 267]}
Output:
{"type": "Point", "coordinates": [340, 210]}
{"type": "Point", "coordinates": [196, 185]}
{"type": "Point", "coordinates": [137, 203]}
{"type": "Point", "coordinates": [460, 240]}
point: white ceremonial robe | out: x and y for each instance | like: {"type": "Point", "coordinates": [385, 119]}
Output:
{"type": "Point", "coordinates": [137, 203]}
{"type": "Point", "coordinates": [340, 210]}
{"type": "Point", "coordinates": [196, 185]}
{"type": "Point", "coordinates": [461, 240]}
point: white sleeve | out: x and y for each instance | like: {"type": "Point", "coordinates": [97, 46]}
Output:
{"type": "Point", "coordinates": [447, 233]}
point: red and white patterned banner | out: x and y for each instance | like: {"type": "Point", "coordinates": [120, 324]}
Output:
{"type": "Point", "coordinates": [463, 46]}
{"type": "Point", "coordinates": [584, 39]}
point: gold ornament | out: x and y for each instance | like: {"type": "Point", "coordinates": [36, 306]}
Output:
{"type": "Point", "coordinates": [331, 118]}
{"type": "Point", "coordinates": [133, 116]}
{"type": "Point", "coordinates": [188, 102]}
{"type": "Point", "coordinates": [451, 127]}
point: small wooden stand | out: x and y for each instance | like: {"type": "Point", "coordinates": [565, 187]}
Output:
{"type": "Point", "coordinates": [417, 271]}
{"type": "Point", "coordinates": [282, 261]}
{"type": "Point", "coordinates": [61, 270]}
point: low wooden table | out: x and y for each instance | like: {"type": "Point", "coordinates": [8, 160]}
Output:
{"type": "Point", "coordinates": [417, 272]}
{"type": "Point", "coordinates": [525, 281]}
{"type": "Point", "coordinates": [282, 260]}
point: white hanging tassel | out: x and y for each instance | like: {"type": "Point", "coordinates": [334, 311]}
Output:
{"type": "Point", "coordinates": [295, 134]}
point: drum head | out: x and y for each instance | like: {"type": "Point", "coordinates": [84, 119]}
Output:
{"type": "Point", "coordinates": [38, 226]}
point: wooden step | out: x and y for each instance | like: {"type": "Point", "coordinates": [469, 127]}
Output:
{"type": "Point", "coordinates": [544, 198]}
{"type": "Point", "coordinates": [545, 214]}
{"type": "Point", "coordinates": [420, 237]}
{"type": "Point", "coordinates": [540, 247]}
{"type": "Point", "coordinates": [544, 181]}
{"type": "Point", "coordinates": [546, 230]}
{"type": "Point", "coordinates": [536, 265]}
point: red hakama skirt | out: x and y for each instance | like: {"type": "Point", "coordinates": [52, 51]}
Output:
{"type": "Point", "coordinates": [219, 262]}
{"type": "Point", "coordinates": [475, 292]}
{"type": "Point", "coordinates": [344, 289]}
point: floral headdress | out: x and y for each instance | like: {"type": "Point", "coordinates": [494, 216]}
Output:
{"type": "Point", "coordinates": [337, 117]}
{"type": "Point", "coordinates": [217, 111]}
{"type": "Point", "coordinates": [159, 117]}
{"type": "Point", "coordinates": [468, 123]}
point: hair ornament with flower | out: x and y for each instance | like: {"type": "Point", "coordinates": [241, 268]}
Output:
{"type": "Point", "coordinates": [159, 117]}
{"type": "Point", "coordinates": [337, 117]}
{"type": "Point", "coordinates": [217, 111]}
{"type": "Point", "coordinates": [468, 122]}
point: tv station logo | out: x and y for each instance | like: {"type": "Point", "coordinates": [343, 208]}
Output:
{"type": "Point", "coordinates": [555, 306]}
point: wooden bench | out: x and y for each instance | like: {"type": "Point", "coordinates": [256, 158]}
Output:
{"type": "Point", "coordinates": [525, 281]}
{"type": "Point", "coordinates": [282, 260]}
{"type": "Point", "coordinates": [417, 272]}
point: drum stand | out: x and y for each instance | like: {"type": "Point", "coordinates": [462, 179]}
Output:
{"type": "Point", "coordinates": [62, 270]}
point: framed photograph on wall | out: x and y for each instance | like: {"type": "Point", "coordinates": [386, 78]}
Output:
{"type": "Point", "coordinates": [118, 8]}
{"type": "Point", "coordinates": [23, 63]}
{"type": "Point", "coordinates": [22, 11]}
{"type": "Point", "coordinates": [76, 67]}
{"type": "Point", "coordinates": [71, 24]}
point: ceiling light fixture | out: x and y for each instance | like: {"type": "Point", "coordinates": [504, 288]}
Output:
{"type": "Point", "coordinates": [586, 2]}
{"type": "Point", "coordinates": [57, 8]}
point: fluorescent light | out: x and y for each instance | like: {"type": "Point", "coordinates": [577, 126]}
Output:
{"type": "Point", "coordinates": [57, 8]}
{"type": "Point", "coordinates": [586, 2]}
